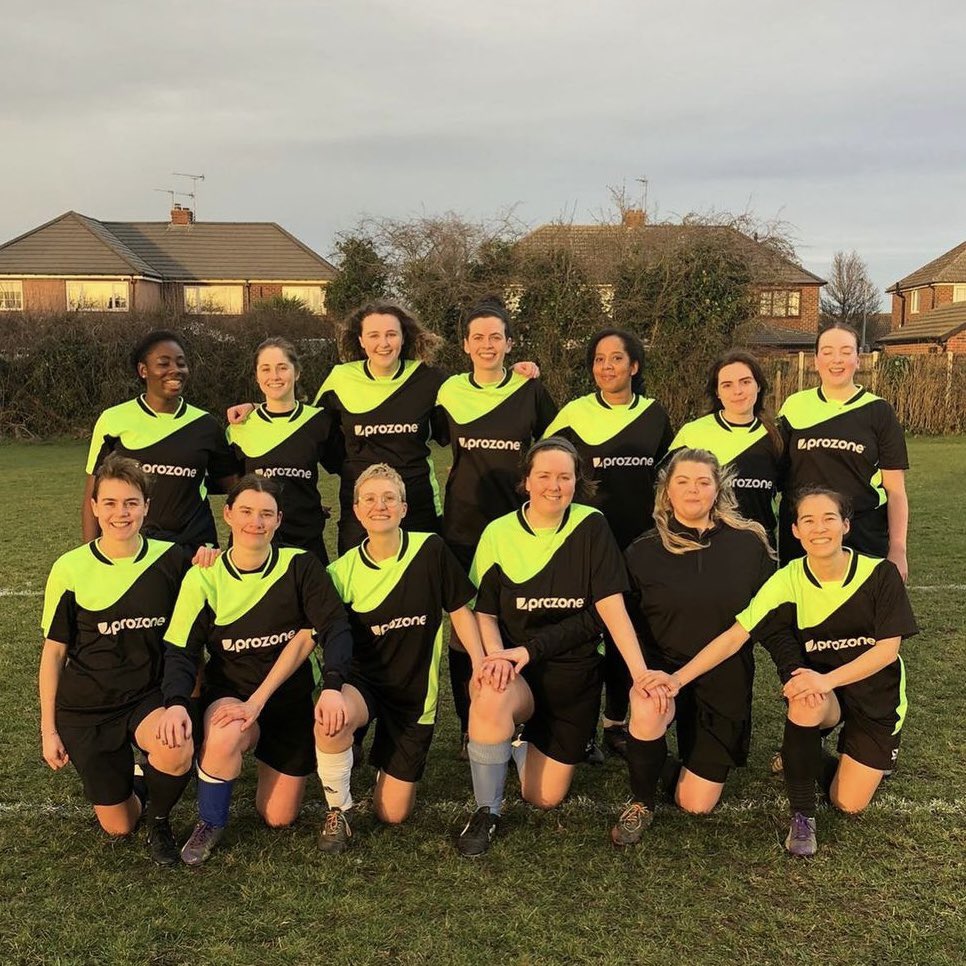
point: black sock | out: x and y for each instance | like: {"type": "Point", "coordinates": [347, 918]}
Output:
{"type": "Point", "coordinates": [460, 672]}
{"type": "Point", "coordinates": [164, 791]}
{"type": "Point", "coordinates": [830, 765]}
{"type": "Point", "coordinates": [670, 774]}
{"type": "Point", "coordinates": [645, 759]}
{"type": "Point", "coordinates": [802, 757]}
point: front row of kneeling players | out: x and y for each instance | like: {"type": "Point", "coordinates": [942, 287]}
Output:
{"type": "Point", "coordinates": [548, 576]}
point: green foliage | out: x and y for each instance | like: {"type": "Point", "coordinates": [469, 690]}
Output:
{"type": "Point", "coordinates": [363, 276]}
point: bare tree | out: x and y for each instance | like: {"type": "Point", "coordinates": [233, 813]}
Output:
{"type": "Point", "coordinates": [850, 295]}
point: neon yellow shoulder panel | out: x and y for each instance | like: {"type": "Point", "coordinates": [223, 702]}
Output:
{"type": "Point", "coordinates": [465, 402]}
{"type": "Point", "coordinates": [807, 408]}
{"type": "Point", "coordinates": [707, 433]}
{"type": "Point", "coordinates": [365, 585]}
{"type": "Point", "coordinates": [594, 423]}
{"type": "Point", "coordinates": [360, 393]}
{"type": "Point", "coordinates": [257, 436]}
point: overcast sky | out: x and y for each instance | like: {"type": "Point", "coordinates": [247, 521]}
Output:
{"type": "Point", "coordinates": [845, 119]}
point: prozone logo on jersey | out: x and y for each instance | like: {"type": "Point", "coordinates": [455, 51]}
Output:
{"type": "Point", "coordinates": [164, 469]}
{"type": "Point", "coordinates": [839, 645]}
{"type": "Point", "coordinates": [110, 628]}
{"type": "Point", "coordinates": [509, 444]}
{"type": "Point", "coordinates": [550, 603]}
{"type": "Point", "coordinates": [750, 484]}
{"type": "Point", "coordinates": [399, 623]}
{"type": "Point", "coordinates": [250, 643]}
{"type": "Point", "coordinates": [289, 471]}
{"type": "Point", "coordinates": [385, 429]}
{"type": "Point", "coordinates": [607, 462]}
{"type": "Point", "coordinates": [818, 442]}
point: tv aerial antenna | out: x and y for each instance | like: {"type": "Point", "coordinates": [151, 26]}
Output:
{"type": "Point", "coordinates": [173, 194]}
{"type": "Point", "coordinates": [643, 181]}
{"type": "Point", "coordinates": [193, 193]}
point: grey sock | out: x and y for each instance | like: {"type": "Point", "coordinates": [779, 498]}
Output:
{"type": "Point", "coordinates": [488, 769]}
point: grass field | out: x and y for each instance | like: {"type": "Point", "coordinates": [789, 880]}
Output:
{"type": "Point", "coordinates": [889, 887]}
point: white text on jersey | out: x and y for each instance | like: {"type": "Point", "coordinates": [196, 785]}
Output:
{"type": "Point", "coordinates": [606, 462]}
{"type": "Point", "coordinates": [386, 428]}
{"type": "Point", "coordinates": [109, 629]}
{"type": "Point", "coordinates": [247, 643]}
{"type": "Point", "coordinates": [825, 443]}
{"type": "Point", "coordinates": [418, 620]}
{"type": "Point", "coordinates": [509, 444]}
{"type": "Point", "coordinates": [550, 603]}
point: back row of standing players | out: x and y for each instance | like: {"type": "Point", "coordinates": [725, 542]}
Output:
{"type": "Point", "coordinates": [387, 403]}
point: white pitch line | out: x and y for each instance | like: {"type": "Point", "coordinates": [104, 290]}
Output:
{"type": "Point", "coordinates": [884, 803]}
{"type": "Point", "coordinates": [938, 587]}
{"type": "Point", "coordinates": [7, 592]}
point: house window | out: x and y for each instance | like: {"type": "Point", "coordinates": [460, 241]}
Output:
{"type": "Point", "coordinates": [959, 293]}
{"type": "Point", "coordinates": [97, 296]}
{"type": "Point", "coordinates": [11, 296]}
{"type": "Point", "coordinates": [214, 299]}
{"type": "Point", "coordinates": [914, 301]}
{"type": "Point", "coordinates": [780, 304]}
{"type": "Point", "coordinates": [311, 296]}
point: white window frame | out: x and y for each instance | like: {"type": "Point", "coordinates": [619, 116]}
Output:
{"type": "Point", "coordinates": [195, 303]}
{"type": "Point", "coordinates": [312, 296]}
{"type": "Point", "coordinates": [9, 289]}
{"type": "Point", "coordinates": [780, 303]}
{"type": "Point", "coordinates": [914, 302]}
{"type": "Point", "coordinates": [77, 301]}
{"type": "Point", "coordinates": [959, 293]}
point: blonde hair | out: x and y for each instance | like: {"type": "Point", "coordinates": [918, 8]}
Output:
{"type": "Point", "coordinates": [724, 510]}
{"type": "Point", "coordinates": [379, 471]}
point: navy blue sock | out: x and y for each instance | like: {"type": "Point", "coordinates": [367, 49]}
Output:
{"type": "Point", "coordinates": [214, 798]}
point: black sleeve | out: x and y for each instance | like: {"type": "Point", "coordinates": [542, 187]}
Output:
{"type": "Point", "coordinates": [63, 625]}
{"type": "Point", "coordinates": [775, 636]}
{"type": "Point", "coordinates": [221, 461]}
{"type": "Point", "coordinates": [439, 426]}
{"type": "Point", "coordinates": [546, 409]}
{"type": "Point", "coordinates": [766, 566]}
{"type": "Point", "coordinates": [457, 589]}
{"type": "Point", "coordinates": [891, 439]}
{"type": "Point", "coordinates": [488, 595]}
{"type": "Point", "coordinates": [667, 437]}
{"type": "Point", "coordinates": [566, 634]}
{"type": "Point", "coordinates": [330, 446]}
{"type": "Point", "coordinates": [893, 612]}
{"type": "Point", "coordinates": [608, 574]}
{"type": "Point", "coordinates": [181, 663]}
{"type": "Point", "coordinates": [785, 459]}
{"type": "Point", "coordinates": [323, 608]}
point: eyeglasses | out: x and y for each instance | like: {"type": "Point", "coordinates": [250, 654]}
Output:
{"type": "Point", "coordinates": [388, 500]}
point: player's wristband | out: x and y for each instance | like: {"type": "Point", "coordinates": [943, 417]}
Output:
{"type": "Point", "coordinates": [178, 702]}
{"type": "Point", "coordinates": [332, 681]}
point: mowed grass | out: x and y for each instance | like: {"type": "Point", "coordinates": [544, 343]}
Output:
{"type": "Point", "coordinates": [888, 887]}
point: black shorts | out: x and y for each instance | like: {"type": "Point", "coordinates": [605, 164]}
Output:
{"type": "Point", "coordinates": [401, 743]}
{"type": "Point", "coordinates": [566, 701]}
{"type": "Point", "coordinates": [286, 731]}
{"type": "Point", "coordinates": [712, 716]}
{"type": "Point", "coordinates": [869, 741]}
{"type": "Point", "coordinates": [101, 751]}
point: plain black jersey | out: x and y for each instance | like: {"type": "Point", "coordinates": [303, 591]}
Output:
{"type": "Point", "coordinates": [750, 454]}
{"type": "Point", "coordinates": [489, 427]}
{"type": "Point", "coordinates": [289, 448]}
{"type": "Point", "coordinates": [396, 611]}
{"type": "Point", "coordinates": [543, 585]}
{"type": "Point", "coordinates": [244, 620]}
{"type": "Point", "coordinates": [621, 447]}
{"type": "Point", "coordinates": [844, 446]}
{"type": "Point", "coordinates": [181, 451]}
{"type": "Point", "coordinates": [386, 420]}
{"type": "Point", "coordinates": [806, 623]}
{"type": "Point", "coordinates": [680, 602]}
{"type": "Point", "coordinates": [111, 615]}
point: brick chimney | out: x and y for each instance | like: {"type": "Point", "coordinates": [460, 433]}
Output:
{"type": "Point", "coordinates": [634, 218]}
{"type": "Point", "coordinates": [182, 216]}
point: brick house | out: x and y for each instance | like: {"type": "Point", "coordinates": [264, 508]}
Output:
{"type": "Point", "coordinates": [788, 295]}
{"type": "Point", "coordinates": [929, 307]}
{"type": "Point", "coordinates": [77, 263]}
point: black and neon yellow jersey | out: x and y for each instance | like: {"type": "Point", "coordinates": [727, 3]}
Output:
{"type": "Point", "coordinates": [804, 622]}
{"type": "Point", "coordinates": [750, 453]}
{"type": "Point", "coordinates": [385, 420]}
{"type": "Point", "coordinates": [396, 611]}
{"type": "Point", "coordinates": [845, 446]}
{"type": "Point", "coordinates": [111, 615]}
{"type": "Point", "coordinates": [680, 602]}
{"type": "Point", "coordinates": [490, 428]}
{"type": "Point", "coordinates": [621, 447]}
{"type": "Point", "coordinates": [289, 448]}
{"type": "Point", "coordinates": [244, 620]}
{"type": "Point", "coordinates": [181, 451]}
{"type": "Point", "coordinates": [534, 582]}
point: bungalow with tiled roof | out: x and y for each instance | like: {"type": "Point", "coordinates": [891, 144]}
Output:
{"type": "Point", "coordinates": [929, 307]}
{"type": "Point", "coordinates": [788, 295]}
{"type": "Point", "coordinates": [77, 263]}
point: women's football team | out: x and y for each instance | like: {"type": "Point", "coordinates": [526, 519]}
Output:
{"type": "Point", "coordinates": [578, 553]}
